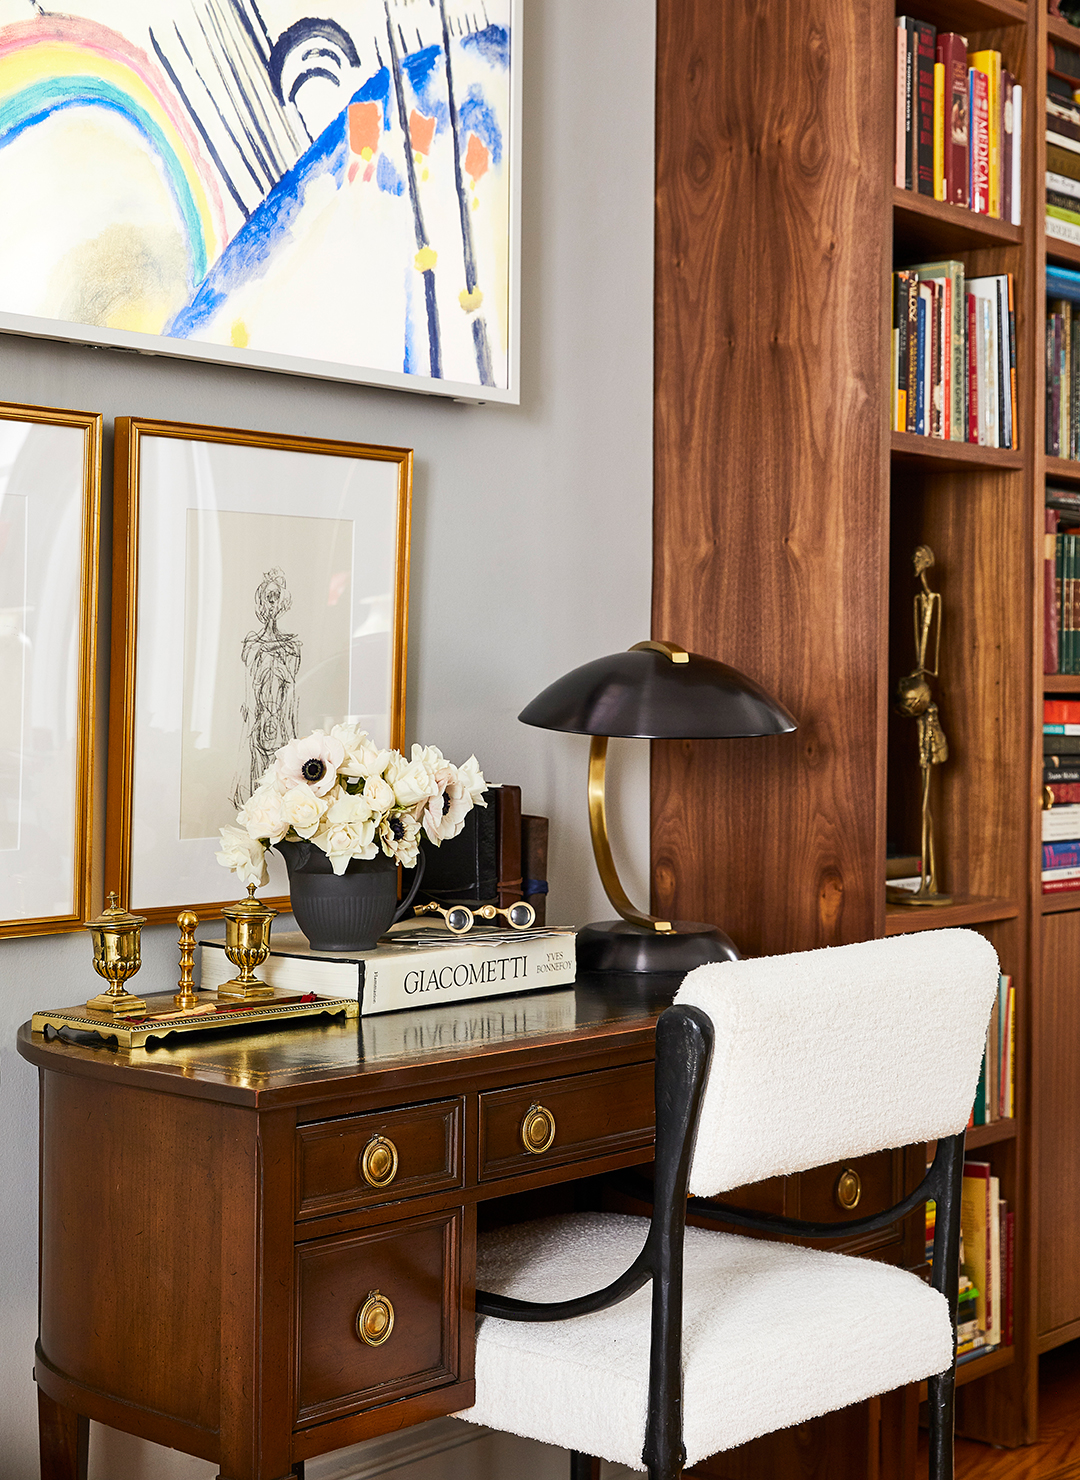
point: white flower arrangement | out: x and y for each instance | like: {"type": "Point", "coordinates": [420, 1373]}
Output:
{"type": "Point", "coordinates": [351, 799]}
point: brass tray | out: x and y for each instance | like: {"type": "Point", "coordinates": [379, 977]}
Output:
{"type": "Point", "coordinates": [162, 1017]}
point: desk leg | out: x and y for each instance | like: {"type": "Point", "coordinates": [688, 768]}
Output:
{"type": "Point", "coordinates": [63, 1439]}
{"type": "Point", "coordinates": [584, 1467]}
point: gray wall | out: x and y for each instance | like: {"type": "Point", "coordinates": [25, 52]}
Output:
{"type": "Point", "coordinates": [531, 548]}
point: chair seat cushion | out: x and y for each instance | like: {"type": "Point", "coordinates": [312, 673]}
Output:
{"type": "Point", "coordinates": [773, 1334]}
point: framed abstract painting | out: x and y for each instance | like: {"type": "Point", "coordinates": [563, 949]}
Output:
{"type": "Point", "coordinates": [50, 491]}
{"type": "Point", "coordinates": [332, 194]}
{"type": "Point", "coordinates": [260, 591]}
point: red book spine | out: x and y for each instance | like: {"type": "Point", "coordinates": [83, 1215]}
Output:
{"type": "Point", "coordinates": [980, 142]}
{"type": "Point", "coordinates": [1060, 886]}
{"type": "Point", "coordinates": [1050, 609]}
{"type": "Point", "coordinates": [1008, 1262]}
{"type": "Point", "coordinates": [1065, 793]}
{"type": "Point", "coordinates": [1060, 711]}
{"type": "Point", "coordinates": [952, 53]}
{"type": "Point", "coordinates": [972, 373]}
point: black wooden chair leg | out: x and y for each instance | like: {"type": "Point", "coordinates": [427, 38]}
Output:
{"type": "Point", "coordinates": [583, 1466]}
{"type": "Point", "coordinates": [940, 1394]}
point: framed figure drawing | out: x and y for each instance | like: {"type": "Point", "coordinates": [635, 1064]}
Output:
{"type": "Point", "coordinates": [50, 487]}
{"type": "Point", "coordinates": [260, 591]}
{"type": "Point", "coordinates": [329, 191]}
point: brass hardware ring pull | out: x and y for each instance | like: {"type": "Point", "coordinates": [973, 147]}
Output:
{"type": "Point", "coordinates": [379, 1162]}
{"type": "Point", "coordinates": [848, 1189]}
{"type": "Point", "coordinates": [375, 1320]}
{"type": "Point", "coordinates": [537, 1129]}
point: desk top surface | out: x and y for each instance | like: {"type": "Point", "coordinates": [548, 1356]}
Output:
{"type": "Point", "coordinates": [435, 1046]}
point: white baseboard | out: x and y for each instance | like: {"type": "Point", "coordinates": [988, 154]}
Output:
{"type": "Point", "coordinates": [448, 1449]}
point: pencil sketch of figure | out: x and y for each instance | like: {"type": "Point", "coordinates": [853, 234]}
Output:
{"type": "Point", "coordinates": [269, 712]}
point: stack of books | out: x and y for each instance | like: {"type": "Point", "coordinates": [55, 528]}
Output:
{"type": "Point", "coordinates": [1061, 775]}
{"type": "Point", "coordinates": [995, 1095]}
{"type": "Point", "coordinates": [1061, 613]}
{"type": "Point", "coordinates": [954, 355]}
{"type": "Point", "coordinates": [1063, 145]}
{"type": "Point", "coordinates": [987, 1234]}
{"type": "Point", "coordinates": [958, 122]}
{"type": "Point", "coordinates": [1063, 361]}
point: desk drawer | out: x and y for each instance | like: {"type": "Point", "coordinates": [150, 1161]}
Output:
{"type": "Point", "coordinates": [362, 1160]}
{"type": "Point", "coordinates": [561, 1120]}
{"type": "Point", "coordinates": [405, 1278]}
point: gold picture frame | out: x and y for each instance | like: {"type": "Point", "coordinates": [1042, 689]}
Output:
{"type": "Point", "coordinates": [216, 532]}
{"type": "Point", "coordinates": [50, 506]}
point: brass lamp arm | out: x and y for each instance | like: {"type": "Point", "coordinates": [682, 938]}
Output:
{"type": "Point", "coordinates": [605, 863]}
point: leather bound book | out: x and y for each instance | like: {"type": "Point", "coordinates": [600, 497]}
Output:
{"type": "Point", "coordinates": [952, 53]}
{"type": "Point", "coordinates": [534, 860]}
{"type": "Point", "coordinates": [482, 865]}
{"type": "Point", "coordinates": [508, 846]}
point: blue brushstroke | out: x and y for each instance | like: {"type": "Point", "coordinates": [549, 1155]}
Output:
{"type": "Point", "coordinates": [426, 80]}
{"type": "Point", "coordinates": [493, 44]}
{"type": "Point", "coordinates": [387, 177]}
{"type": "Point", "coordinates": [418, 67]}
{"type": "Point", "coordinates": [477, 118]}
{"type": "Point", "coordinates": [34, 104]}
{"type": "Point", "coordinates": [377, 90]}
{"type": "Point", "coordinates": [248, 254]}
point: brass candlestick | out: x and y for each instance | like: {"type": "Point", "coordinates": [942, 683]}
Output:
{"type": "Point", "coordinates": [187, 997]}
{"type": "Point", "coordinates": [916, 701]}
{"type": "Point", "coordinates": [247, 945]}
{"type": "Point", "coordinates": [117, 956]}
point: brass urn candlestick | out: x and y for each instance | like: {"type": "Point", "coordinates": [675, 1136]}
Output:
{"type": "Point", "coordinates": [247, 945]}
{"type": "Point", "coordinates": [915, 699]}
{"type": "Point", "coordinates": [117, 956]}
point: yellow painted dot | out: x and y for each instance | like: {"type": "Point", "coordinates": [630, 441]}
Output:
{"type": "Point", "coordinates": [470, 301]}
{"type": "Point", "coordinates": [367, 152]}
{"type": "Point", "coordinates": [475, 203]}
{"type": "Point", "coordinates": [425, 259]}
{"type": "Point", "coordinates": [424, 175]}
{"type": "Point", "coordinates": [417, 156]}
{"type": "Point", "coordinates": [238, 334]}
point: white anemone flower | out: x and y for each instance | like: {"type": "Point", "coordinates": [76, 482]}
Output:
{"type": "Point", "coordinates": [400, 838]}
{"type": "Point", "coordinates": [313, 761]}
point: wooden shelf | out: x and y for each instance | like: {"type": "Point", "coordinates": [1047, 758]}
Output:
{"type": "Point", "coordinates": [966, 909]}
{"type": "Point", "coordinates": [1063, 251]}
{"type": "Point", "coordinates": [906, 446]}
{"type": "Point", "coordinates": [1060, 30]}
{"type": "Point", "coordinates": [990, 1135]}
{"type": "Point", "coordinates": [1059, 902]}
{"type": "Point", "coordinates": [922, 225]}
{"type": "Point", "coordinates": [1001, 1356]}
{"type": "Point", "coordinates": [1061, 683]}
{"type": "Point", "coordinates": [1067, 469]}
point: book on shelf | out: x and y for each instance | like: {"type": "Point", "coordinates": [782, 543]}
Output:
{"type": "Point", "coordinates": [423, 966]}
{"type": "Point", "coordinates": [995, 1091]}
{"type": "Point", "coordinates": [1061, 824]}
{"type": "Point", "coordinates": [975, 1220]}
{"type": "Point", "coordinates": [534, 864]}
{"type": "Point", "coordinates": [482, 865]}
{"type": "Point", "coordinates": [1062, 793]}
{"type": "Point", "coordinates": [959, 122]}
{"type": "Point", "coordinates": [954, 354]}
{"type": "Point", "coordinates": [1061, 628]}
{"type": "Point", "coordinates": [1050, 595]}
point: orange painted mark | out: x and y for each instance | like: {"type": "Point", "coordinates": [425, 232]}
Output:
{"type": "Point", "coordinates": [476, 157]}
{"type": "Point", "coordinates": [421, 131]}
{"type": "Point", "coordinates": [363, 127]}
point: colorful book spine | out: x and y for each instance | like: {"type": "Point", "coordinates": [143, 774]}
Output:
{"type": "Point", "coordinates": [952, 53]}
{"type": "Point", "coordinates": [939, 131]}
{"type": "Point", "coordinates": [979, 115]}
{"type": "Point", "coordinates": [925, 40]}
{"type": "Point", "coordinates": [1050, 610]}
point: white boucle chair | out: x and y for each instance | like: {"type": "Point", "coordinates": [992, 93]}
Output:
{"type": "Point", "coordinates": [763, 1068]}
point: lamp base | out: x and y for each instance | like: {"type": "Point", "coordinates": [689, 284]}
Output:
{"type": "Point", "coordinates": [616, 945]}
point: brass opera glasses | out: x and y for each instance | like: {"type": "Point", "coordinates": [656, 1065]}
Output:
{"type": "Point", "coordinates": [247, 945]}
{"type": "Point", "coordinates": [117, 956]}
{"type": "Point", "coordinates": [914, 699]}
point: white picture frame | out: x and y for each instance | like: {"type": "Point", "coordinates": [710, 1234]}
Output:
{"type": "Point", "coordinates": [213, 182]}
{"type": "Point", "coordinates": [50, 492]}
{"type": "Point", "coordinates": [260, 591]}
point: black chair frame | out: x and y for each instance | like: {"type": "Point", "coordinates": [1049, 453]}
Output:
{"type": "Point", "coordinates": [684, 1038]}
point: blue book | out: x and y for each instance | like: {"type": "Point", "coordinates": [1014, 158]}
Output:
{"type": "Point", "coordinates": [1061, 855]}
{"type": "Point", "coordinates": [1062, 282]}
{"type": "Point", "coordinates": [920, 370]}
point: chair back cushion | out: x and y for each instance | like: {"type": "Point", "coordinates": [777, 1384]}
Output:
{"type": "Point", "coordinates": [836, 1053]}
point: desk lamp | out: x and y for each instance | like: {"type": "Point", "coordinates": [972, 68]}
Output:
{"type": "Point", "coordinates": [654, 691]}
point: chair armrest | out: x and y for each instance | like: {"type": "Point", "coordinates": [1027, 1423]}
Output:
{"type": "Point", "coordinates": [510, 1309]}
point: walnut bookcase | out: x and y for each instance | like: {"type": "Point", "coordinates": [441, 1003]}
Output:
{"type": "Point", "coordinates": [786, 514]}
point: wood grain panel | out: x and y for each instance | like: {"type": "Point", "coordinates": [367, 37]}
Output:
{"type": "Point", "coordinates": [771, 438]}
{"type": "Point", "coordinates": [1056, 1160]}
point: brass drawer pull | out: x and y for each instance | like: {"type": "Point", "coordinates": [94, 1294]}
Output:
{"type": "Point", "coordinates": [379, 1162]}
{"type": "Point", "coordinates": [848, 1189]}
{"type": "Point", "coordinates": [375, 1320]}
{"type": "Point", "coordinates": [537, 1129]}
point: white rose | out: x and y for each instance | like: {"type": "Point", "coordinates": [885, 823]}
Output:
{"type": "Point", "coordinates": [303, 810]}
{"type": "Point", "coordinates": [341, 841]}
{"type": "Point", "coordinates": [472, 778]}
{"type": "Point", "coordinates": [349, 809]}
{"type": "Point", "coordinates": [412, 781]}
{"type": "Point", "coordinates": [379, 794]}
{"type": "Point", "coordinates": [245, 855]}
{"type": "Point", "coordinates": [262, 815]}
{"type": "Point", "coordinates": [362, 757]}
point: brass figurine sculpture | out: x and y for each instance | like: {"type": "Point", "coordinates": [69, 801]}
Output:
{"type": "Point", "coordinates": [117, 956]}
{"type": "Point", "coordinates": [914, 699]}
{"type": "Point", "coordinates": [186, 997]}
{"type": "Point", "coordinates": [247, 945]}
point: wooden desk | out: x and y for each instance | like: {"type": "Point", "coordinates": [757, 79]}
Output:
{"type": "Point", "coordinates": [208, 1238]}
